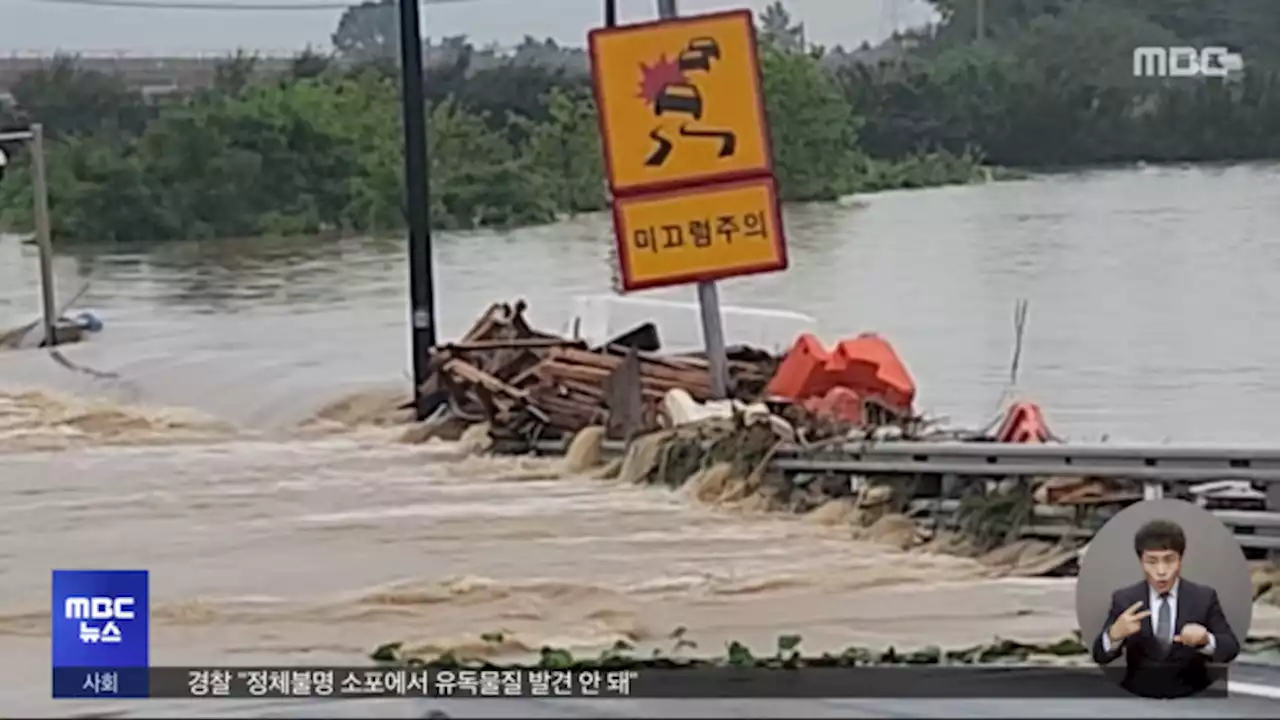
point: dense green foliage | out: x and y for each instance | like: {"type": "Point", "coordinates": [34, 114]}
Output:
{"type": "Point", "coordinates": [513, 137]}
{"type": "Point", "coordinates": [1053, 84]}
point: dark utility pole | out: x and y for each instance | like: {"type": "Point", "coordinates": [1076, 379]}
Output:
{"type": "Point", "coordinates": [421, 290]}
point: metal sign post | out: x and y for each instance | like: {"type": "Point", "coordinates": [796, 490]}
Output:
{"type": "Point", "coordinates": [40, 196]}
{"type": "Point", "coordinates": [421, 283]}
{"type": "Point", "coordinates": [708, 293]}
{"type": "Point", "coordinates": [688, 158]}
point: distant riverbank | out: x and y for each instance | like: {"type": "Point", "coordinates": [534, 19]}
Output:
{"type": "Point", "coordinates": [314, 145]}
{"type": "Point", "coordinates": [320, 154]}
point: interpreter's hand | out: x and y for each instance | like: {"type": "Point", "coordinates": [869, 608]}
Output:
{"type": "Point", "coordinates": [1129, 623]}
{"type": "Point", "coordinates": [1193, 635]}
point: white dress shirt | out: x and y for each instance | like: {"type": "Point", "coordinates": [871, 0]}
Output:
{"type": "Point", "coordinates": [1153, 604]}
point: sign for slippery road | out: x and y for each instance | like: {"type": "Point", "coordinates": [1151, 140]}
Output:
{"type": "Point", "coordinates": [687, 152]}
{"type": "Point", "coordinates": [680, 102]}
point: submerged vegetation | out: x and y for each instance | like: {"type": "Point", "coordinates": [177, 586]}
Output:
{"type": "Point", "coordinates": [684, 653]}
{"type": "Point", "coordinates": [786, 655]}
{"type": "Point", "coordinates": [513, 136]}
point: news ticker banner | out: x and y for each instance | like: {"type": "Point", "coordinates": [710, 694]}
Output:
{"type": "Point", "coordinates": [915, 682]}
{"type": "Point", "coordinates": [101, 648]}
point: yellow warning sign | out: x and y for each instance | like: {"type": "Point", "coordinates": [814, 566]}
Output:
{"type": "Point", "coordinates": [698, 234]}
{"type": "Point", "coordinates": [680, 102]}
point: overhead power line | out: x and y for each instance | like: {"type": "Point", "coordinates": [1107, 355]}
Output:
{"type": "Point", "coordinates": [221, 6]}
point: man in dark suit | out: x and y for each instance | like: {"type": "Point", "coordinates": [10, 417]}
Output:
{"type": "Point", "coordinates": [1168, 628]}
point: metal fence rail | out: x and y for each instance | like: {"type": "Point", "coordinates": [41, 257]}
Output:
{"type": "Point", "coordinates": [1157, 466]}
{"type": "Point", "coordinates": [1187, 464]}
{"type": "Point", "coordinates": [1143, 462]}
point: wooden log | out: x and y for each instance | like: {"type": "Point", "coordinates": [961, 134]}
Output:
{"type": "Point", "coordinates": [551, 382]}
{"type": "Point", "coordinates": [493, 316]}
{"type": "Point", "coordinates": [652, 388]}
{"type": "Point", "coordinates": [462, 371]}
{"type": "Point", "coordinates": [591, 367]}
{"type": "Point", "coordinates": [597, 376]}
{"type": "Point", "coordinates": [589, 389]}
{"type": "Point", "coordinates": [676, 362]}
{"type": "Point", "coordinates": [567, 406]}
{"type": "Point", "coordinates": [519, 343]}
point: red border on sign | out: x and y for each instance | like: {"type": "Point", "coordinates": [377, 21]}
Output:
{"type": "Point", "coordinates": [762, 115]}
{"type": "Point", "coordinates": [624, 248]}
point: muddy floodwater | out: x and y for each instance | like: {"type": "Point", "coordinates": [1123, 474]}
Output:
{"type": "Point", "coordinates": [273, 537]}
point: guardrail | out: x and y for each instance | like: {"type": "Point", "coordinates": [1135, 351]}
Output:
{"type": "Point", "coordinates": [930, 512]}
{"type": "Point", "coordinates": [1149, 462]}
{"type": "Point", "coordinates": [1146, 462]}
{"type": "Point", "coordinates": [1156, 465]}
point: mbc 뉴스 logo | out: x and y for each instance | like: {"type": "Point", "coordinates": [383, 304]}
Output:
{"type": "Point", "coordinates": [110, 609]}
{"type": "Point", "coordinates": [100, 618]}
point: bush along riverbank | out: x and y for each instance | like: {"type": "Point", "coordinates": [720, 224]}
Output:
{"type": "Point", "coordinates": [321, 152]}
{"type": "Point", "coordinates": [314, 144]}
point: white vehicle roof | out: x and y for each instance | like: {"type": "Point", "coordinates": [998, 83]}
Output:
{"type": "Point", "coordinates": [599, 318]}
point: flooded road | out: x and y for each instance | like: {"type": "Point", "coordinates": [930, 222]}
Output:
{"type": "Point", "coordinates": [271, 538]}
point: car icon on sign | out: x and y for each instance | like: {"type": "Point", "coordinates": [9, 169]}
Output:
{"type": "Point", "coordinates": [699, 53]}
{"type": "Point", "coordinates": [680, 98]}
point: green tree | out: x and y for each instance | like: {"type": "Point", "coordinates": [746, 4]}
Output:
{"type": "Point", "coordinates": [564, 150]}
{"type": "Point", "coordinates": [477, 177]}
{"type": "Point", "coordinates": [69, 100]}
{"type": "Point", "coordinates": [776, 28]}
{"type": "Point", "coordinates": [368, 31]}
{"type": "Point", "coordinates": [813, 128]}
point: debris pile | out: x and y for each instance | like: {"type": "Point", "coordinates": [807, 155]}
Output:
{"type": "Point", "coordinates": [519, 386]}
{"type": "Point", "coordinates": [530, 385]}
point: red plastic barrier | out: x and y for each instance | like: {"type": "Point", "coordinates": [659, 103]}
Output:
{"type": "Point", "coordinates": [839, 404]}
{"type": "Point", "coordinates": [1024, 423]}
{"type": "Point", "coordinates": [866, 365]}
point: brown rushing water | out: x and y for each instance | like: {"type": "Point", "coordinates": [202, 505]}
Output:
{"type": "Point", "coordinates": [1153, 308]}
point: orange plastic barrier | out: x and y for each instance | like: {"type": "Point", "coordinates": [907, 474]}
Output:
{"type": "Point", "coordinates": [867, 366]}
{"type": "Point", "coordinates": [1024, 423]}
{"type": "Point", "coordinates": [802, 373]}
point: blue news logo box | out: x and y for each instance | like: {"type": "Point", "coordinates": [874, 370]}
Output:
{"type": "Point", "coordinates": [101, 633]}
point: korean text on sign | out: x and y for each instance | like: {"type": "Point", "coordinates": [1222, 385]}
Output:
{"type": "Point", "coordinates": [699, 234]}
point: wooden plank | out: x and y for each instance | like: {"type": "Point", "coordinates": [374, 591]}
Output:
{"type": "Point", "coordinates": [597, 372]}
{"type": "Point", "coordinates": [461, 370]}
{"type": "Point", "coordinates": [526, 343]}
